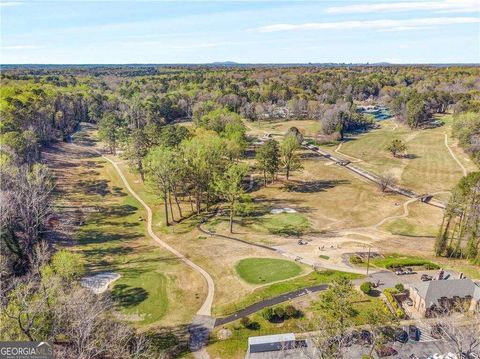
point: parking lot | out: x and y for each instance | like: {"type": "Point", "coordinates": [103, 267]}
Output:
{"type": "Point", "coordinates": [425, 348]}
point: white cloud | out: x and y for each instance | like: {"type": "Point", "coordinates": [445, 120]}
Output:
{"type": "Point", "coordinates": [10, 4]}
{"type": "Point", "coordinates": [21, 47]}
{"type": "Point", "coordinates": [381, 25]}
{"type": "Point", "coordinates": [438, 6]}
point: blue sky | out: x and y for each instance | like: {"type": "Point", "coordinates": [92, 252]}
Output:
{"type": "Point", "coordinates": [435, 31]}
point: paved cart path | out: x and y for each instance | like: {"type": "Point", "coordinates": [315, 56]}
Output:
{"type": "Point", "coordinates": [203, 322]}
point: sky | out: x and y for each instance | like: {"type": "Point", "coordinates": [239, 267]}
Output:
{"type": "Point", "coordinates": [118, 32]}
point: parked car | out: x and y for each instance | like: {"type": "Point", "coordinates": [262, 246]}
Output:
{"type": "Point", "coordinates": [436, 331]}
{"type": "Point", "coordinates": [413, 333]}
{"type": "Point", "coordinates": [425, 277]}
{"type": "Point", "coordinates": [408, 302]}
{"type": "Point", "coordinates": [409, 271]}
{"type": "Point", "coordinates": [385, 351]}
{"type": "Point", "coordinates": [401, 335]}
{"type": "Point", "coordinates": [399, 272]}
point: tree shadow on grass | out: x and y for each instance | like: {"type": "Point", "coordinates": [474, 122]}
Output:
{"type": "Point", "coordinates": [173, 341]}
{"type": "Point", "coordinates": [99, 187]}
{"type": "Point", "coordinates": [314, 186]}
{"type": "Point", "coordinates": [96, 237]}
{"type": "Point", "coordinates": [127, 296]}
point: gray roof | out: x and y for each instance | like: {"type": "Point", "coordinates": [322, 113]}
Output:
{"type": "Point", "coordinates": [276, 338]}
{"type": "Point", "coordinates": [433, 290]}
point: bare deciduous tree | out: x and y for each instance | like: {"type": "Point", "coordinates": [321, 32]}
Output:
{"type": "Point", "coordinates": [386, 180]}
{"type": "Point", "coordinates": [459, 329]}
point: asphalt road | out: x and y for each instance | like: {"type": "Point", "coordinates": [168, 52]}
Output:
{"type": "Point", "coordinates": [269, 302]}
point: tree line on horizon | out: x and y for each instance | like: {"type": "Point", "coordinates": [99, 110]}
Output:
{"type": "Point", "coordinates": [140, 114]}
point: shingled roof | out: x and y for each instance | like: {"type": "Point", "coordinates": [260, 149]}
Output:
{"type": "Point", "coordinates": [433, 290]}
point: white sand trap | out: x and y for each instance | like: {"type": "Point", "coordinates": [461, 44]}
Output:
{"type": "Point", "coordinates": [99, 283]}
{"type": "Point", "coordinates": [282, 210]}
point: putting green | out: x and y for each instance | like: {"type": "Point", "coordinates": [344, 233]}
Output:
{"type": "Point", "coordinates": [266, 270]}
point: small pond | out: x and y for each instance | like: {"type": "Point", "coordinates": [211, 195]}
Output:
{"type": "Point", "coordinates": [379, 112]}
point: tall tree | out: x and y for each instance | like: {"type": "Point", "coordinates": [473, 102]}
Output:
{"type": "Point", "coordinates": [159, 167]}
{"type": "Point", "coordinates": [290, 158]}
{"type": "Point", "coordinates": [229, 186]}
{"type": "Point", "coordinates": [136, 149]}
{"type": "Point", "coordinates": [268, 159]}
{"type": "Point", "coordinates": [337, 301]}
{"type": "Point", "coordinates": [110, 130]}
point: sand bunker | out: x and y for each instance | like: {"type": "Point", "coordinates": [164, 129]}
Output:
{"type": "Point", "coordinates": [282, 210]}
{"type": "Point", "coordinates": [99, 282]}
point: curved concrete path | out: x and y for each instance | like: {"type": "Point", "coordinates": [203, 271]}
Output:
{"type": "Point", "coordinates": [465, 172]}
{"type": "Point", "coordinates": [203, 322]}
{"type": "Point", "coordinates": [206, 308]}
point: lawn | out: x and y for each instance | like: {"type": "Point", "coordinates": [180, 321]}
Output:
{"type": "Point", "coordinates": [235, 346]}
{"type": "Point", "coordinates": [429, 157]}
{"type": "Point", "coordinates": [311, 279]}
{"type": "Point", "coordinates": [308, 128]}
{"type": "Point", "coordinates": [266, 270]}
{"type": "Point", "coordinates": [396, 260]}
{"type": "Point", "coordinates": [422, 221]}
{"type": "Point", "coordinates": [154, 288]}
{"type": "Point", "coordinates": [290, 224]}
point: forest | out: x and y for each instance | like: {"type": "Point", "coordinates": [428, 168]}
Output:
{"type": "Point", "coordinates": [184, 131]}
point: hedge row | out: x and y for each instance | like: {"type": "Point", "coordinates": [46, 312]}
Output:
{"type": "Point", "coordinates": [389, 292]}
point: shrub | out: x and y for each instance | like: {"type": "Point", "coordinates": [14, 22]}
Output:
{"type": "Point", "coordinates": [366, 287]}
{"type": "Point", "coordinates": [399, 287]}
{"type": "Point", "coordinates": [431, 266]}
{"type": "Point", "coordinates": [356, 260]}
{"type": "Point", "coordinates": [291, 311]}
{"type": "Point", "coordinates": [267, 314]}
{"type": "Point", "coordinates": [279, 312]}
{"type": "Point", "coordinates": [245, 321]}
{"type": "Point", "coordinates": [67, 265]}
{"type": "Point", "coordinates": [389, 292]}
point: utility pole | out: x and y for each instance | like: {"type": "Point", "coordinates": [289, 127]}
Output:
{"type": "Point", "coordinates": [368, 259]}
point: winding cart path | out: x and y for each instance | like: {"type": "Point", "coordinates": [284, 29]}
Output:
{"type": "Point", "coordinates": [203, 322]}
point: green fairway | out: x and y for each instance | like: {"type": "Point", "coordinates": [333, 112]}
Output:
{"type": "Point", "coordinates": [428, 157]}
{"type": "Point", "coordinates": [290, 224]}
{"type": "Point", "coordinates": [266, 270]}
{"type": "Point", "coordinates": [112, 237]}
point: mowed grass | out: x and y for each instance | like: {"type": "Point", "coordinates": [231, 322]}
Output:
{"type": "Point", "coordinates": [308, 128]}
{"type": "Point", "coordinates": [236, 346]}
{"type": "Point", "coordinates": [114, 239]}
{"type": "Point", "coordinates": [275, 289]}
{"type": "Point", "coordinates": [430, 167]}
{"type": "Point", "coordinates": [422, 221]}
{"type": "Point", "coordinates": [266, 270]}
{"type": "Point", "coordinates": [155, 288]}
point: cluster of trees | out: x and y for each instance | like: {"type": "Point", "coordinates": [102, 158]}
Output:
{"type": "Point", "coordinates": [198, 166]}
{"type": "Point", "coordinates": [459, 235]}
{"type": "Point", "coordinates": [466, 127]}
{"type": "Point", "coordinates": [60, 97]}
{"type": "Point", "coordinates": [417, 109]}
{"type": "Point", "coordinates": [47, 304]}
{"type": "Point", "coordinates": [136, 109]}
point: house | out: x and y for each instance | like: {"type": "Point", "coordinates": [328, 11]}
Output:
{"type": "Point", "coordinates": [276, 346]}
{"type": "Point", "coordinates": [440, 295]}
